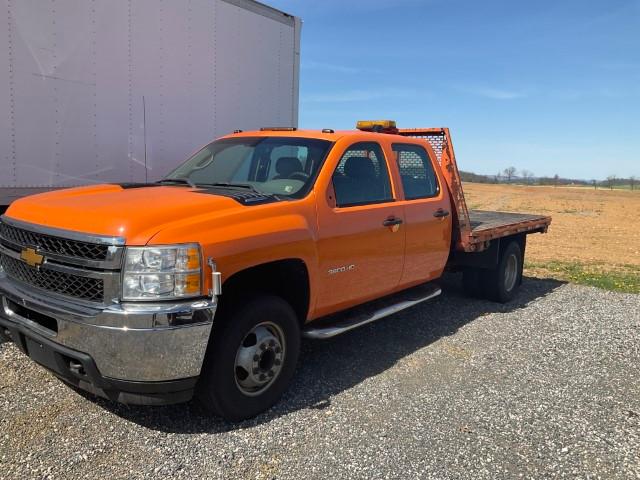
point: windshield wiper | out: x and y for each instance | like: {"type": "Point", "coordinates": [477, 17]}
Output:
{"type": "Point", "coordinates": [259, 197]}
{"type": "Point", "coordinates": [185, 181]}
{"type": "Point", "coordinates": [235, 185]}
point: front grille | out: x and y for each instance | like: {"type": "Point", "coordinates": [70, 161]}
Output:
{"type": "Point", "coordinates": [91, 289]}
{"type": "Point", "coordinates": [52, 244]}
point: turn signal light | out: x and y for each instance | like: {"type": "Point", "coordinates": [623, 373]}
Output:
{"type": "Point", "coordinates": [188, 284]}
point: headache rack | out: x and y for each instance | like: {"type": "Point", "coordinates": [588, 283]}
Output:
{"type": "Point", "coordinates": [475, 229]}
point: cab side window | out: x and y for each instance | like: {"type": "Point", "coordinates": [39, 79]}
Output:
{"type": "Point", "coordinates": [361, 176]}
{"type": "Point", "coordinates": [418, 178]}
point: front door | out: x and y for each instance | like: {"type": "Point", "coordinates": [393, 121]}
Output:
{"type": "Point", "coordinates": [361, 232]}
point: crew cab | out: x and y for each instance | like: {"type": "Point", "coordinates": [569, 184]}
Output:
{"type": "Point", "coordinates": [203, 284]}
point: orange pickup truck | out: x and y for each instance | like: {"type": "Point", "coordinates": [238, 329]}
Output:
{"type": "Point", "coordinates": [202, 284]}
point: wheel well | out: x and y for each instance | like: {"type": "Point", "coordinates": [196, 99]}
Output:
{"type": "Point", "coordinates": [288, 279]}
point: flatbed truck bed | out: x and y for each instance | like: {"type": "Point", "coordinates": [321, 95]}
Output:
{"type": "Point", "coordinates": [488, 225]}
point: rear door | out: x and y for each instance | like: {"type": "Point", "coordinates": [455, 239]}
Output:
{"type": "Point", "coordinates": [361, 233]}
{"type": "Point", "coordinates": [427, 210]}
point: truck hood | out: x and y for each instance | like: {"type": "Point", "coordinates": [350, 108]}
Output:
{"type": "Point", "coordinates": [135, 214]}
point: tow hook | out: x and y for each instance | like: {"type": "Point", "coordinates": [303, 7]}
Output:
{"type": "Point", "coordinates": [77, 368]}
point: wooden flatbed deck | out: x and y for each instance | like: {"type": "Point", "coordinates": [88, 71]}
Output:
{"type": "Point", "coordinates": [487, 225]}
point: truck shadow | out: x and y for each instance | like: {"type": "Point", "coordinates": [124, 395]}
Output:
{"type": "Point", "coordinates": [329, 367]}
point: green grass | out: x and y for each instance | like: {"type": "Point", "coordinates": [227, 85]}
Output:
{"type": "Point", "coordinates": [636, 187]}
{"type": "Point", "coordinates": [623, 187]}
{"type": "Point", "coordinates": [619, 278]}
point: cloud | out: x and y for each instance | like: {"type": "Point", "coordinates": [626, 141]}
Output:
{"type": "Point", "coordinates": [492, 93]}
{"type": "Point", "coordinates": [360, 95]}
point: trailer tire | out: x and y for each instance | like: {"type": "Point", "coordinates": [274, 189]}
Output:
{"type": "Point", "coordinates": [501, 283]}
{"type": "Point", "coordinates": [251, 359]}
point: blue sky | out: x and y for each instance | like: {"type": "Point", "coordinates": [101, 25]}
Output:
{"type": "Point", "coordinates": [548, 86]}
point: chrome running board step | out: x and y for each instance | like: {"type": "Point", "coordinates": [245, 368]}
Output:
{"type": "Point", "coordinates": [342, 322]}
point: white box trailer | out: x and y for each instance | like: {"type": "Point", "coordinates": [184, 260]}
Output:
{"type": "Point", "coordinates": [123, 91]}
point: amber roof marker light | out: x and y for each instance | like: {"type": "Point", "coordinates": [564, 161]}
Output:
{"type": "Point", "coordinates": [378, 126]}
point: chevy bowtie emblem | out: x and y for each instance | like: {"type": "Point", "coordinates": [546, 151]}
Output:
{"type": "Point", "coordinates": [31, 257]}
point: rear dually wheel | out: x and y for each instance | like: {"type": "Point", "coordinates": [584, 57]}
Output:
{"type": "Point", "coordinates": [501, 283]}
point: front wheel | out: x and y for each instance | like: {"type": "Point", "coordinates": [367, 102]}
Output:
{"type": "Point", "coordinates": [251, 359]}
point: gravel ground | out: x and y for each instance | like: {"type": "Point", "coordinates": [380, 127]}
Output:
{"type": "Point", "coordinates": [546, 387]}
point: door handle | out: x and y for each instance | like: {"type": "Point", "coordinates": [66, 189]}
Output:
{"type": "Point", "coordinates": [391, 221]}
{"type": "Point", "coordinates": [441, 213]}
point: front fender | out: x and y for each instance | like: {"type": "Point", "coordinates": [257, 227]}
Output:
{"type": "Point", "coordinates": [255, 236]}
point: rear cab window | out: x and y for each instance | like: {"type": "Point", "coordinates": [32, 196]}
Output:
{"type": "Point", "coordinates": [419, 180]}
{"type": "Point", "coordinates": [362, 176]}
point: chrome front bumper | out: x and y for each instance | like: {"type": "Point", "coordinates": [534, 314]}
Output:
{"type": "Point", "coordinates": [128, 342]}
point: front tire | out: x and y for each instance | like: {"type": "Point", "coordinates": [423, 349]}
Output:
{"type": "Point", "coordinates": [251, 359]}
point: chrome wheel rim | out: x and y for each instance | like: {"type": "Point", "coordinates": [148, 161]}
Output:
{"type": "Point", "coordinates": [259, 359]}
{"type": "Point", "coordinates": [510, 273]}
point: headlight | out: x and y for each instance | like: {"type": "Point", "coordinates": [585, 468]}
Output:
{"type": "Point", "coordinates": [162, 273]}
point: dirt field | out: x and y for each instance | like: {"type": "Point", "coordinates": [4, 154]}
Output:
{"type": "Point", "coordinates": [594, 237]}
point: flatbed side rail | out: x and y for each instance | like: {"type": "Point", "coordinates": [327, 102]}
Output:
{"type": "Point", "coordinates": [440, 141]}
{"type": "Point", "coordinates": [482, 237]}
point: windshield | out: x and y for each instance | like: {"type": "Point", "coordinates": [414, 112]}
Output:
{"type": "Point", "coordinates": [283, 166]}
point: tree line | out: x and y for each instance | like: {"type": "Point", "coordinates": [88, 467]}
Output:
{"type": "Point", "coordinates": [511, 175]}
